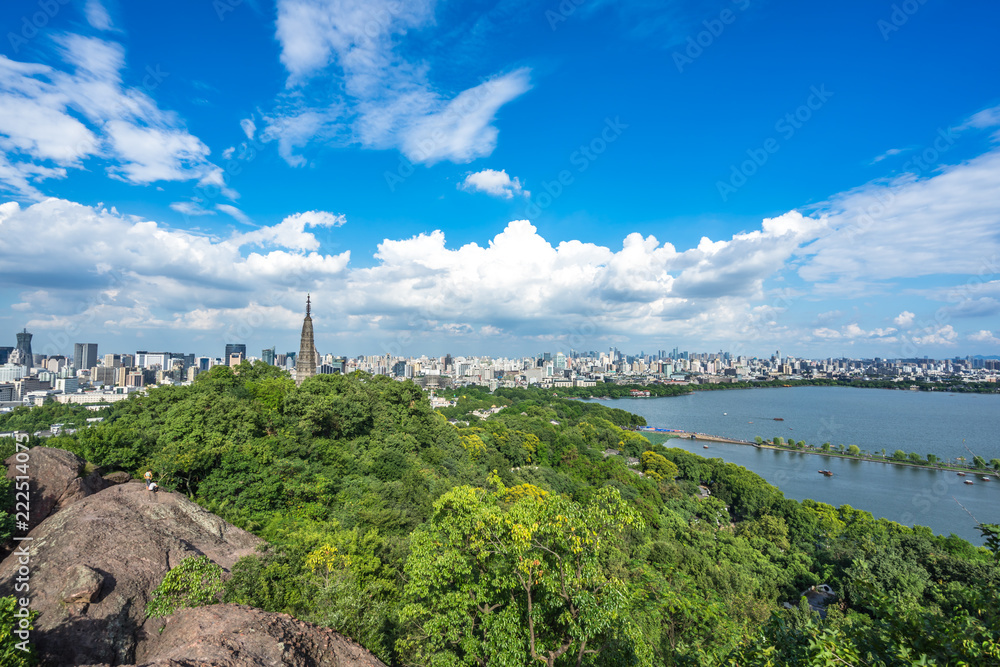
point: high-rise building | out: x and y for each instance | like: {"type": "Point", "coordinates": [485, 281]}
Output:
{"type": "Point", "coordinates": [24, 344]}
{"type": "Point", "coordinates": [84, 355]}
{"type": "Point", "coordinates": [234, 348]}
{"type": "Point", "coordinates": [113, 360]}
{"type": "Point", "coordinates": [306, 362]}
{"type": "Point", "coordinates": [5, 354]}
{"type": "Point", "coordinates": [268, 355]}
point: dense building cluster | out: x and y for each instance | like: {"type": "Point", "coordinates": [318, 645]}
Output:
{"type": "Point", "coordinates": [27, 378]}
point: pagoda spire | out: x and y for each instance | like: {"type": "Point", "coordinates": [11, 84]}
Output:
{"type": "Point", "coordinates": [306, 362]}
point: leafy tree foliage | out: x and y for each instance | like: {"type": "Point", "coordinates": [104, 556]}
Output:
{"type": "Point", "coordinates": [495, 577]}
{"type": "Point", "coordinates": [425, 540]}
{"type": "Point", "coordinates": [195, 582]}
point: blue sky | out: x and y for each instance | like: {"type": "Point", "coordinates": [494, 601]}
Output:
{"type": "Point", "coordinates": [502, 177]}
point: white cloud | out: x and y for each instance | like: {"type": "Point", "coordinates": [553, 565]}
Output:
{"type": "Point", "coordinates": [887, 230]}
{"type": "Point", "coordinates": [937, 335]}
{"type": "Point", "coordinates": [985, 336]}
{"type": "Point", "coordinates": [492, 182]}
{"type": "Point", "coordinates": [462, 129]}
{"type": "Point", "coordinates": [97, 15]}
{"type": "Point", "coordinates": [888, 153]}
{"type": "Point", "coordinates": [904, 319]}
{"type": "Point", "coordinates": [853, 331]}
{"type": "Point", "coordinates": [248, 127]}
{"type": "Point", "coordinates": [235, 213]}
{"type": "Point", "coordinates": [383, 100]}
{"type": "Point", "coordinates": [190, 208]}
{"type": "Point", "coordinates": [53, 119]}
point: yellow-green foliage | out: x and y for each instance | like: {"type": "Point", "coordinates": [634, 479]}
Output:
{"type": "Point", "coordinates": [658, 467]}
{"type": "Point", "coordinates": [473, 444]}
{"type": "Point", "coordinates": [515, 493]}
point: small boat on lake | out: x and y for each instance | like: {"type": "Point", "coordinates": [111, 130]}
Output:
{"type": "Point", "coordinates": [969, 481]}
{"type": "Point", "coordinates": [828, 473]}
{"type": "Point", "coordinates": [961, 474]}
{"type": "Point", "coordinates": [779, 419]}
{"type": "Point", "coordinates": [986, 479]}
{"type": "Point", "coordinates": [704, 446]}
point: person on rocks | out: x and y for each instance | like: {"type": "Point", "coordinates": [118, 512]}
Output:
{"type": "Point", "coordinates": [151, 486]}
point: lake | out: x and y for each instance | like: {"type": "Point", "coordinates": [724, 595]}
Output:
{"type": "Point", "coordinates": [873, 419]}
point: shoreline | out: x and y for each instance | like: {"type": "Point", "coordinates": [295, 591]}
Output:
{"type": "Point", "coordinates": [705, 437]}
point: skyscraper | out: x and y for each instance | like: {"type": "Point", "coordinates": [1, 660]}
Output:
{"type": "Point", "coordinates": [306, 362]}
{"type": "Point", "coordinates": [234, 348]}
{"type": "Point", "coordinates": [5, 354]}
{"type": "Point", "coordinates": [84, 355]}
{"type": "Point", "coordinates": [24, 344]}
{"type": "Point", "coordinates": [268, 355]}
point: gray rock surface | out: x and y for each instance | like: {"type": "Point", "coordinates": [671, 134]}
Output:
{"type": "Point", "coordinates": [56, 481]}
{"type": "Point", "coordinates": [117, 545]}
{"type": "Point", "coordinates": [229, 635]}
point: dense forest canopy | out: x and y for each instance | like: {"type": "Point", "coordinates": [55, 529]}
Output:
{"type": "Point", "coordinates": [548, 533]}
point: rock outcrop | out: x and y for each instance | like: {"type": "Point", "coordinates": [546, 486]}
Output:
{"type": "Point", "coordinates": [95, 563]}
{"type": "Point", "coordinates": [229, 635]}
{"type": "Point", "coordinates": [57, 480]}
{"type": "Point", "coordinates": [100, 548]}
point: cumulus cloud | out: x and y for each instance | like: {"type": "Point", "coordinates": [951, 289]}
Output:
{"type": "Point", "coordinates": [985, 336]}
{"type": "Point", "coordinates": [136, 272]}
{"type": "Point", "coordinates": [495, 183]}
{"type": "Point", "coordinates": [122, 273]}
{"type": "Point", "coordinates": [53, 118]}
{"type": "Point", "coordinates": [937, 335]}
{"type": "Point", "coordinates": [854, 331]}
{"type": "Point", "coordinates": [383, 99]}
{"type": "Point", "coordinates": [904, 319]}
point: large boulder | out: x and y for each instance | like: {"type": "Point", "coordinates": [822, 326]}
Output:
{"type": "Point", "coordinates": [229, 635]}
{"type": "Point", "coordinates": [94, 563]}
{"type": "Point", "coordinates": [56, 479]}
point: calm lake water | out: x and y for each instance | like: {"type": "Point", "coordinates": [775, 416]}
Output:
{"type": "Point", "coordinates": [873, 419]}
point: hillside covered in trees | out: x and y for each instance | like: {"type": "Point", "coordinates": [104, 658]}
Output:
{"type": "Point", "coordinates": [548, 533]}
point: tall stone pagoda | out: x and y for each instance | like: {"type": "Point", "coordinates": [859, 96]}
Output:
{"type": "Point", "coordinates": [306, 362]}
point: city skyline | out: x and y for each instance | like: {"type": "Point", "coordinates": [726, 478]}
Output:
{"type": "Point", "coordinates": [505, 176]}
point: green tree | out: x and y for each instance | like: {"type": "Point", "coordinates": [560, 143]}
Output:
{"type": "Point", "coordinates": [854, 450]}
{"type": "Point", "coordinates": [979, 462]}
{"type": "Point", "coordinates": [195, 582]}
{"type": "Point", "coordinates": [658, 467]}
{"type": "Point", "coordinates": [10, 654]}
{"type": "Point", "coordinates": [541, 578]}
{"type": "Point", "coordinates": [915, 457]}
{"type": "Point", "coordinates": [899, 455]}
{"type": "Point", "coordinates": [995, 463]}
{"type": "Point", "coordinates": [932, 458]}
{"type": "Point", "coordinates": [825, 447]}
{"type": "Point", "coordinates": [759, 440]}
{"type": "Point", "coordinates": [778, 440]}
